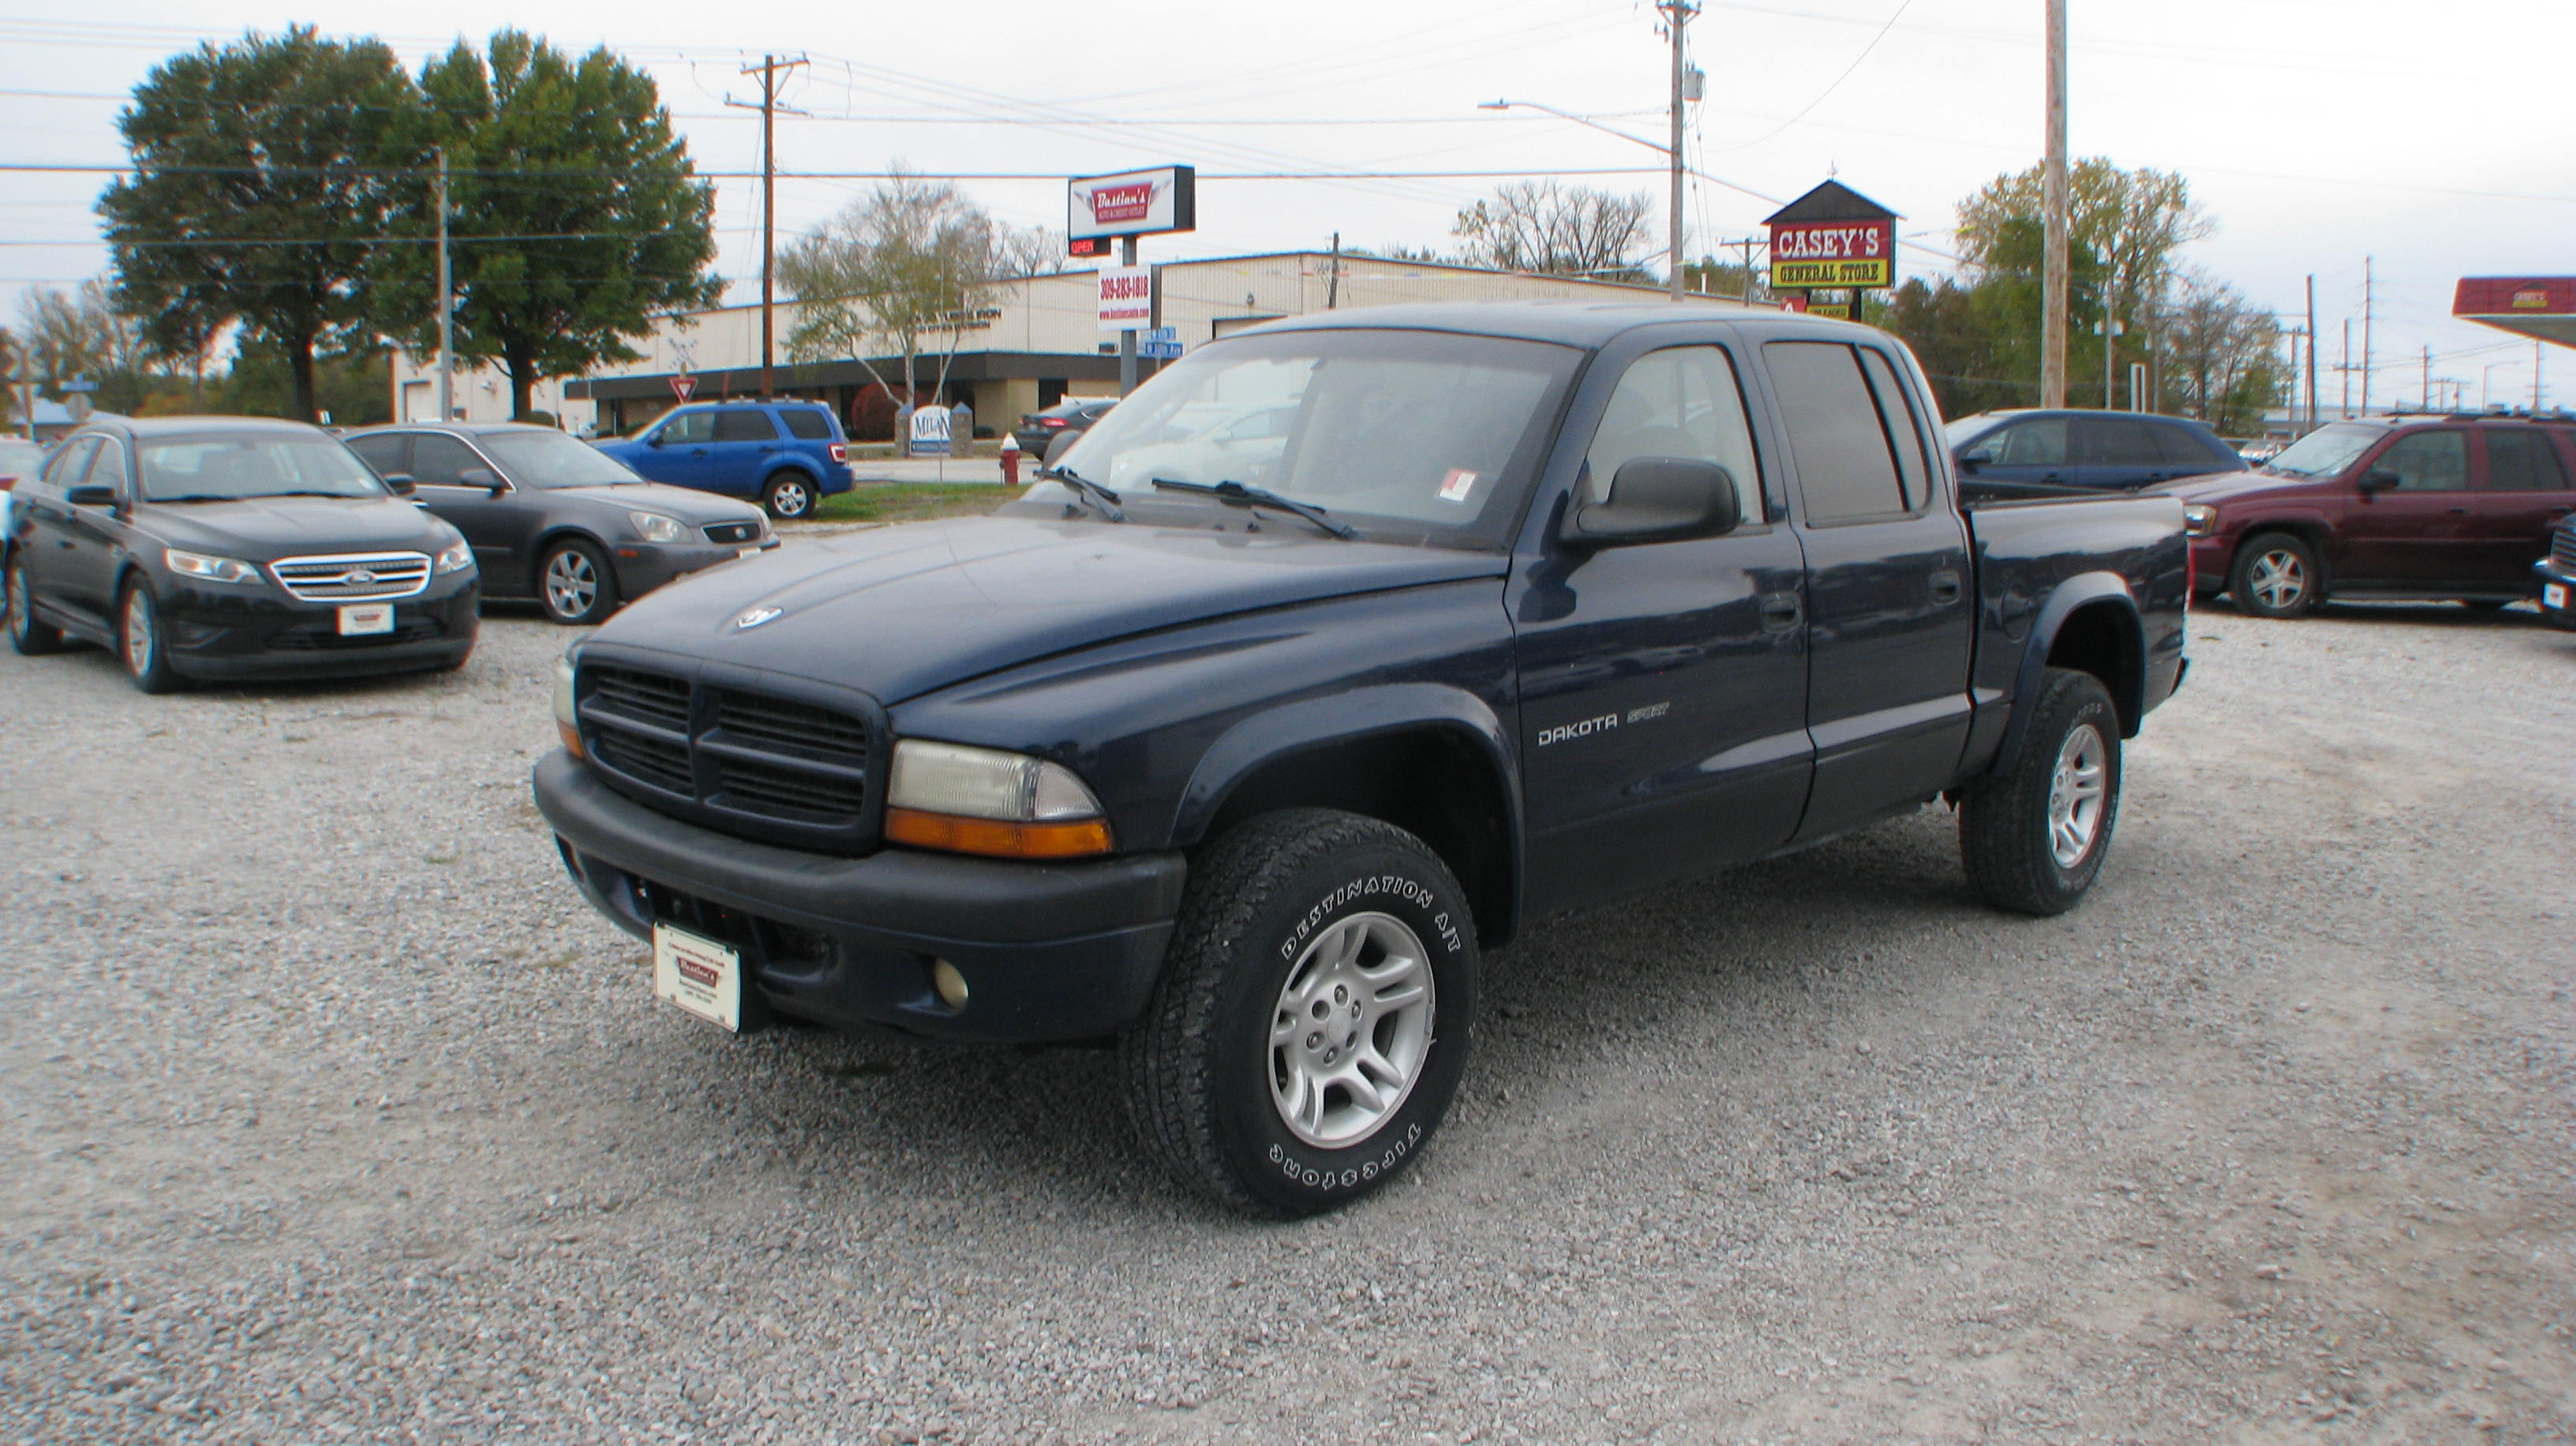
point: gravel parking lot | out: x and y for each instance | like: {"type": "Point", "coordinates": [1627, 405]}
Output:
{"type": "Point", "coordinates": [334, 1113]}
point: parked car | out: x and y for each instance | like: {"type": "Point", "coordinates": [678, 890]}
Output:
{"type": "Point", "coordinates": [2554, 576]}
{"type": "Point", "coordinates": [789, 455]}
{"type": "Point", "coordinates": [2099, 450]}
{"type": "Point", "coordinates": [17, 459]}
{"type": "Point", "coordinates": [554, 519]}
{"type": "Point", "coordinates": [2408, 506]}
{"type": "Point", "coordinates": [232, 548]}
{"type": "Point", "coordinates": [1038, 431]}
{"type": "Point", "coordinates": [1532, 611]}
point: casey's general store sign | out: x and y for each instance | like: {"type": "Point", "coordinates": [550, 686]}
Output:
{"type": "Point", "coordinates": [1834, 253]}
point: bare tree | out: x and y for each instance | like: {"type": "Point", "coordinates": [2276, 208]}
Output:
{"type": "Point", "coordinates": [904, 270]}
{"type": "Point", "coordinates": [1553, 230]}
{"type": "Point", "coordinates": [2223, 355]}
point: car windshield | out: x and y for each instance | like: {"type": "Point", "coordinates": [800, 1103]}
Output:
{"type": "Point", "coordinates": [224, 468]}
{"type": "Point", "coordinates": [551, 459]}
{"type": "Point", "coordinates": [21, 459]}
{"type": "Point", "coordinates": [2327, 450]}
{"type": "Point", "coordinates": [1958, 432]}
{"type": "Point", "coordinates": [1408, 436]}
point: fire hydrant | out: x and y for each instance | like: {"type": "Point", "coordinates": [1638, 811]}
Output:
{"type": "Point", "coordinates": [1010, 460]}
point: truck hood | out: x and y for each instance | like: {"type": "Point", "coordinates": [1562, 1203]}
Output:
{"type": "Point", "coordinates": [2237, 486]}
{"type": "Point", "coordinates": [900, 611]}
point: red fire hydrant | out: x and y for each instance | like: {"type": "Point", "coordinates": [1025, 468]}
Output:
{"type": "Point", "coordinates": [1010, 460]}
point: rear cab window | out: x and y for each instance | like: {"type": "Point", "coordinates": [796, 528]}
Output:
{"type": "Point", "coordinates": [1852, 432]}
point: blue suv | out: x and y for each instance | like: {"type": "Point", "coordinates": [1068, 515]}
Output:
{"type": "Point", "coordinates": [790, 455]}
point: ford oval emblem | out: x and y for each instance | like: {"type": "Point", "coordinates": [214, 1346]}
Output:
{"type": "Point", "coordinates": [756, 617]}
{"type": "Point", "coordinates": [360, 578]}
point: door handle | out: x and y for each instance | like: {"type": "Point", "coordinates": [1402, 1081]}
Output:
{"type": "Point", "coordinates": [1779, 611]}
{"type": "Point", "coordinates": [2459, 512]}
{"type": "Point", "coordinates": [1945, 586]}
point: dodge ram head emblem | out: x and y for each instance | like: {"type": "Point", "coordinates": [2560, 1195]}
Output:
{"type": "Point", "coordinates": [755, 618]}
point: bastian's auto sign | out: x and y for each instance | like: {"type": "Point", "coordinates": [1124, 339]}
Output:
{"type": "Point", "coordinates": [1134, 203]}
{"type": "Point", "coordinates": [1833, 253]}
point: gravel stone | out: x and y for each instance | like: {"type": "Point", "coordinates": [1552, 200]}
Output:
{"type": "Point", "coordinates": [334, 1113]}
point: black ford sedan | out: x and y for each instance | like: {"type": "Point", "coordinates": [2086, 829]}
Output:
{"type": "Point", "coordinates": [232, 548]}
{"type": "Point", "coordinates": [558, 520]}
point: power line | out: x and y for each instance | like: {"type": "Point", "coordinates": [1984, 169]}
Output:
{"type": "Point", "coordinates": [97, 169]}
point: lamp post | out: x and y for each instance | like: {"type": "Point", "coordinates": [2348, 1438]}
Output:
{"type": "Point", "coordinates": [1672, 152]}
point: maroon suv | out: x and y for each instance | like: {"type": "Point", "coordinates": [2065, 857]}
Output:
{"type": "Point", "coordinates": [2385, 507]}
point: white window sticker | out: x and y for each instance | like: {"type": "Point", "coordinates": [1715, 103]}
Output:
{"type": "Point", "coordinates": [1456, 486]}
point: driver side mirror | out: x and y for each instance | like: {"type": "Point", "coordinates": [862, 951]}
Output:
{"type": "Point", "coordinates": [1658, 499]}
{"type": "Point", "coordinates": [91, 495]}
{"type": "Point", "coordinates": [2378, 479]}
{"type": "Point", "coordinates": [483, 477]}
{"type": "Point", "coordinates": [653, 439]}
{"type": "Point", "coordinates": [400, 484]}
{"type": "Point", "coordinates": [1976, 457]}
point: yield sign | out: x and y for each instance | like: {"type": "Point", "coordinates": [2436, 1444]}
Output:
{"type": "Point", "coordinates": [684, 387]}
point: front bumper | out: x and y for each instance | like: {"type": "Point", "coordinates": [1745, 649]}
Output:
{"type": "Point", "coordinates": [1049, 951]}
{"type": "Point", "coordinates": [2546, 575]}
{"type": "Point", "coordinates": [236, 634]}
{"type": "Point", "coordinates": [2209, 559]}
{"type": "Point", "coordinates": [644, 566]}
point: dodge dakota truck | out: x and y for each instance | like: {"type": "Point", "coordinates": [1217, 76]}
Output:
{"type": "Point", "coordinates": [1241, 745]}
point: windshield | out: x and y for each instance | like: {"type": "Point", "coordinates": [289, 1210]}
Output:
{"type": "Point", "coordinates": [551, 459]}
{"type": "Point", "coordinates": [21, 459]}
{"type": "Point", "coordinates": [1408, 436]}
{"type": "Point", "coordinates": [222, 468]}
{"type": "Point", "coordinates": [1958, 432]}
{"type": "Point", "coordinates": [2327, 450]}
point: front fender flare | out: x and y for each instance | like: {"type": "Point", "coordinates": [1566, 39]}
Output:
{"type": "Point", "coordinates": [2082, 590]}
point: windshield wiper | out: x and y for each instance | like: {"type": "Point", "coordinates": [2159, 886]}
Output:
{"type": "Point", "coordinates": [1239, 495]}
{"type": "Point", "coordinates": [1101, 498]}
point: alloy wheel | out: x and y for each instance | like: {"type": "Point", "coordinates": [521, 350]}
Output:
{"type": "Point", "coordinates": [2280, 579]}
{"type": "Point", "coordinates": [1352, 1030]}
{"type": "Point", "coordinates": [572, 584]}
{"type": "Point", "coordinates": [141, 641]}
{"type": "Point", "coordinates": [2075, 792]}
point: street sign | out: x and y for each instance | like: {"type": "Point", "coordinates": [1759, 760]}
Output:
{"type": "Point", "coordinates": [1126, 298]}
{"type": "Point", "coordinates": [1133, 203]}
{"type": "Point", "coordinates": [684, 387]}
{"type": "Point", "coordinates": [930, 432]}
{"type": "Point", "coordinates": [1163, 343]}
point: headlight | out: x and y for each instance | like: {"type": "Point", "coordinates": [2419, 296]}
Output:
{"type": "Point", "coordinates": [2199, 520]}
{"type": "Point", "coordinates": [209, 569]}
{"type": "Point", "coordinates": [456, 557]}
{"type": "Point", "coordinates": [567, 722]}
{"type": "Point", "coordinates": [655, 527]}
{"type": "Point", "coordinates": [983, 801]}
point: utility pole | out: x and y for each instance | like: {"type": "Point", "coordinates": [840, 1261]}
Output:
{"type": "Point", "coordinates": [1127, 338]}
{"type": "Point", "coordinates": [2110, 329]}
{"type": "Point", "coordinates": [1333, 282]}
{"type": "Point", "coordinates": [2428, 379]}
{"type": "Point", "coordinates": [2052, 276]}
{"type": "Point", "coordinates": [1677, 14]}
{"type": "Point", "coordinates": [2535, 375]}
{"type": "Point", "coordinates": [2369, 298]}
{"type": "Point", "coordinates": [446, 306]}
{"type": "Point", "coordinates": [2312, 350]}
{"type": "Point", "coordinates": [2343, 367]}
{"type": "Point", "coordinates": [768, 70]}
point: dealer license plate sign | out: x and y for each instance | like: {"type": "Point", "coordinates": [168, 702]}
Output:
{"type": "Point", "coordinates": [2553, 594]}
{"type": "Point", "coordinates": [357, 620]}
{"type": "Point", "coordinates": [699, 975]}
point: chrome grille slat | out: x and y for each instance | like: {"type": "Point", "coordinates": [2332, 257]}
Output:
{"type": "Point", "coordinates": [2562, 547]}
{"type": "Point", "coordinates": [353, 577]}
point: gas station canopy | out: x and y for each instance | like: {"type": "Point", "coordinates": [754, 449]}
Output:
{"type": "Point", "coordinates": [2541, 307]}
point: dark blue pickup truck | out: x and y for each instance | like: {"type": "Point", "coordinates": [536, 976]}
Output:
{"type": "Point", "coordinates": [1241, 744]}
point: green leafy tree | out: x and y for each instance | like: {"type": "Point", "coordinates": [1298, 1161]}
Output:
{"type": "Point", "coordinates": [267, 175]}
{"type": "Point", "coordinates": [578, 212]}
{"type": "Point", "coordinates": [1978, 336]}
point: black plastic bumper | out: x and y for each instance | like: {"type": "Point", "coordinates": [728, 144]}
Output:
{"type": "Point", "coordinates": [642, 567]}
{"type": "Point", "coordinates": [221, 636]}
{"type": "Point", "coordinates": [1049, 951]}
{"type": "Point", "coordinates": [2547, 574]}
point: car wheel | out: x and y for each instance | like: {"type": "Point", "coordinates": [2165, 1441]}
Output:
{"type": "Point", "coordinates": [141, 643]}
{"type": "Point", "coordinates": [2276, 576]}
{"type": "Point", "coordinates": [789, 496]}
{"type": "Point", "coordinates": [26, 634]}
{"type": "Point", "coordinates": [2034, 835]}
{"type": "Point", "coordinates": [575, 584]}
{"type": "Point", "coordinates": [1312, 1019]}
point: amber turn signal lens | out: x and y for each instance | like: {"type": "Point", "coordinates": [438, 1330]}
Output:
{"type": "Point", "coordinates": [948, 832]}
{"type": "Point", "coordinates": [571, 739]}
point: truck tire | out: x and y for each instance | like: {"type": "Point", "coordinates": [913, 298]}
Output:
{"type": "Point", "coordinates": [28, 635]}
{"type": "Point", "coordinates": [1312, 1020]}
{"type": "Point", "coordinates": [2033, 836]}
{"type": "Point", "coordinates": [2276, 576]}
{"type": "Point", "coordinates": [789, 496]}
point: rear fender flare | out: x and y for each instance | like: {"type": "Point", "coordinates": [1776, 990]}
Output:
{"type": "Point", "coordinates": [2077, 592]}
{"type": "Point", "coordinates": [1351, 717]}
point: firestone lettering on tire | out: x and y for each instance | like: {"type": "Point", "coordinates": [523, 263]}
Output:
{"type": "Point", "coordinates": [1344, 1177]}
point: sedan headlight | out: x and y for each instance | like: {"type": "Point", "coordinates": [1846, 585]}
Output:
{"type": "Point", "coordinates": [456, 557]}
{"type": "Point", "coordinates": [209, 569]}
{"type": "Point", "coordinates": [2199, 520]}
{"type": "Point", "coordinates": [984, 801]}
{"type": "Point", "coordinates": [654, 527]}
{"type": "Point", "coordinates": [567, 721]}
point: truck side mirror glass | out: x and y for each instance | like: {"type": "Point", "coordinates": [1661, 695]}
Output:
{"type": "Point", "coordinates": [483, 477]}
{"type": "Point", "coordinates": [1658, 499]}
{"type": "Point", "coordinates": [91, 495]}
{"type": "Point", "coordinates": [400, 484]}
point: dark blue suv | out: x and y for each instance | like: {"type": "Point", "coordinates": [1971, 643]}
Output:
{"type": "Point", "coordinates": [2111, 451]}
{"type": "Point", "coordinates": [790, 455]}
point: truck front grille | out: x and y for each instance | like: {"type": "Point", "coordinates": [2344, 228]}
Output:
{"type": "Point", "coordinates": [2562, 547]}
{"type": "Point", "coordinates": [736, 758]}
{"type": "Point", "coordinates": [733, 534]}
{"type": "Point", "coordinates": [353, 577]}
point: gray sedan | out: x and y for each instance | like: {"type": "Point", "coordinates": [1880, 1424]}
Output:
{"type": "Point", "coordinates": [554, 519]}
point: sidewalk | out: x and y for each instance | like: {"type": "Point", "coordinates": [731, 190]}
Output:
{"type": "Point", "coordinates": [984, 470]}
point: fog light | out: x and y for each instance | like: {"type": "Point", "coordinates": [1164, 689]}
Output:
{"type": "Point", "coordinates": [950, 984]}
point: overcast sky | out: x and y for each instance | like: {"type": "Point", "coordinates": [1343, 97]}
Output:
{"type": "Point", "coordinates": [2315, 132]}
